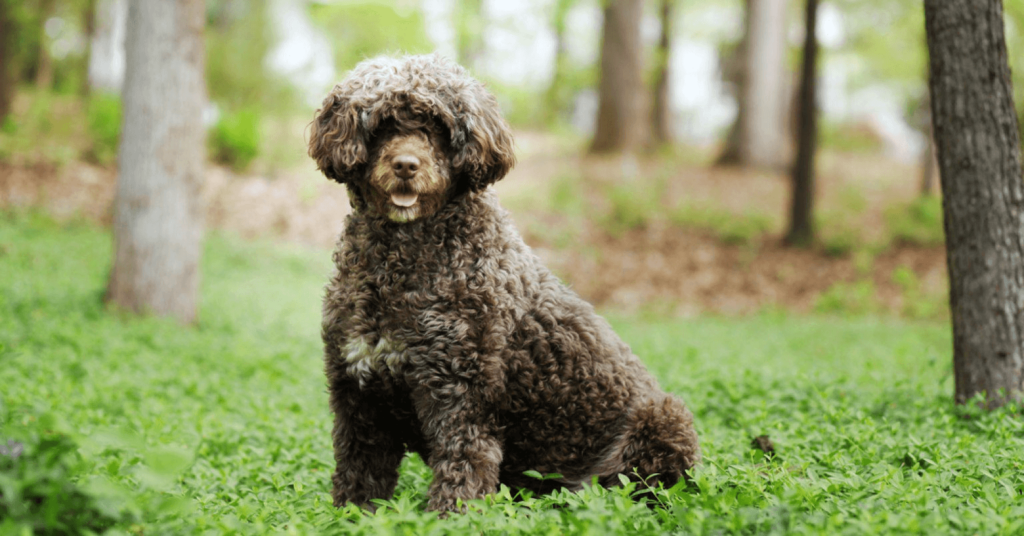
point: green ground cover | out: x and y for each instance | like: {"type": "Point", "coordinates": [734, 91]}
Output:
{"type": "Point", "coordinates": [140, 426]}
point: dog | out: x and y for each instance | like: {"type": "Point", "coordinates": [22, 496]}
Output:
{"type": "Point", "coordinates": [443, 334]}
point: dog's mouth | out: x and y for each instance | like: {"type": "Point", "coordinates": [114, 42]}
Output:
{"type": "Point", "coordinates": [404, 200]}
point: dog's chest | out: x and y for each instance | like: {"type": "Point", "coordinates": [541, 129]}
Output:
{"type": "Point", "coordinates": [371, 354]}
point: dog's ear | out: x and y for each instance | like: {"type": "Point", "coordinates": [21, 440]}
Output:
{"type": "Point", "coordinates": [481, 139]}
{"type": "Point", "coordinates": [338, 140]}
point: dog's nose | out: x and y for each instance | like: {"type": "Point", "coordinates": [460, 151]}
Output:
{"type": "Point", "coordinates": [405, 165]}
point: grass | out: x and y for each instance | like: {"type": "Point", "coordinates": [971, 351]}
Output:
{"type": "Point", "coordinates": [224, 428]}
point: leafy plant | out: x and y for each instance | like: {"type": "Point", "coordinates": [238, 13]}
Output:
{"type": "Point", "coordinates": [917, 304]}
{"type": "Point", "coordinates": [728, 227]}
{"type": "Point", "coordinates": [104, 117]}
{"type": "Point", "coordinates": [917, 223]}
{"type": "Point", "coordinates": [39, 492]}
{"type": "Point", "coordinates": [630, 207]}
{"type": "Point", "coordinates": [223, 428]}
{"type": "Point", "coordinates": [857, 298]}
{"type": "Point", "coordinates": [235, 139]}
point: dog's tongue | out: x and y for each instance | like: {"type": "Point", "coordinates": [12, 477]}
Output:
{"type": "Point", "coordinates": [404, 200]}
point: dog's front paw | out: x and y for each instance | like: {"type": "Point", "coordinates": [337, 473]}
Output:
{"type": "Point", "coordinates": [345, 494]}
{"type": "Point", "coordinates": [342, 499]}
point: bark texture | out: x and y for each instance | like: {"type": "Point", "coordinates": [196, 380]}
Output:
{"type": "Point", "coordinates": [661, 123]}
{"type": "Point", "coordinates": [801, 223]}
{"type": "Point", "coordinates": [979, 153]}
{"type": "Point", "coordinates": [158, 223]}
{"type": "Point", "coordinates": [621, 120]}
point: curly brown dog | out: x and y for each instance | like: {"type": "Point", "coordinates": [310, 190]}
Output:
{"type": "Point", "coordinates": [443, 333]}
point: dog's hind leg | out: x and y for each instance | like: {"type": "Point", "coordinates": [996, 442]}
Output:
{"type": "Point", "coordinates": [660, 442]}
{"type": "Point", "coordinates": [367, 447]}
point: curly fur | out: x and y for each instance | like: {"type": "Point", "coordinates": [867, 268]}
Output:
{"type": "Point", "coordinates": [445, 335]}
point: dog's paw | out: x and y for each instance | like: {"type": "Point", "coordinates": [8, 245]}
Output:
{"type": "Point", "coordinates": [343, 498]}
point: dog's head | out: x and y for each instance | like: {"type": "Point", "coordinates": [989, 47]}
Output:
{"type": "Point", "coordinates": [409, 134]}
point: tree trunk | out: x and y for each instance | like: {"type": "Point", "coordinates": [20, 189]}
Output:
{"type": "Point", "coordinates": [7, 76]}
{"type": "Point", "coordinates": [44, 63]}
{"type": "Point", "coordinates": [801, 224]}
{"type": "Point", "coordinates": [760, 137]}
{"type": "Point", "coordinates": [662, 112]}
{"type": "Point", "coordinates": [734, 70]}
{"type": "Point", "coordinates": [928, 167]}
{"type": "Point", "coordinates": [555, 98]}
{"type": "Point", "coordinates": [979, 152]}
{"type": "Point", "coordinates": [621, 121]}
{"type": "Point", "coordinates": [158, 217]}
{"type": "Point", "coordinates": [89, 23]}
{"type": "Point", "coordinates": [107, 55]}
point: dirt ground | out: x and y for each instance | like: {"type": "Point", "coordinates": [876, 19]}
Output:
{"type": "Point", "coordinates": [673, 269]}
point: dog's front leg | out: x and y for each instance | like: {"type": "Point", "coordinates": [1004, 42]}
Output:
{"type": "Point", "coordinates": [367, 452]}
{"type": "Point", "coordinates": [466, 449]}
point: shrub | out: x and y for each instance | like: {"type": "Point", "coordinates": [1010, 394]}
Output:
{"type": "Point", "coordinates": [630, 207]}
{"type": "Point", "coordinates": [916, 303]}
{"type": "Point", "coordinates": [38, 493]}
{"type": "Point", "coordinates": [104, 119]}
{"type": "Point", "coordinates": [235, 139]}
{"type": "Point", "coordinates": [728, 227]}
{"type": "Point", "coordinates": [849, 298]}
{"type": "Point", "coordinates": [918, 222]}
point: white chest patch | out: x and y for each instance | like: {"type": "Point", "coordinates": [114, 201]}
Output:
{"type": "Point", "coordinates": [365, 359]}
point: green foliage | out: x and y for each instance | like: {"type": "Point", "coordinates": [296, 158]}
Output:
{"type": "Point", "coordinates": [38, 492]}
{"type": "Point", "coordinates": [238, 38]}
{"type": "Point", "coordinates": [45, 126]}
{"type": "Point", "coordinates": [235, 139]}
{"type": "Point", "coordinates": [859, 298]}
{"type": "Point", "coordinates": [916, 303]}
{"type": "Point", "coordinates": [630, 206]}
{"type": "Point", "coordinates": [104, 117]}
{"type": "Point", "coordinates": [566, 196]}
{"type": "Point", "coordinates": [359, 30]}
{"type": "Point", "coordinates": [849, 138]}
{"type": "Point", "coordinates": [918, 222]}
{"type": "Point", "coordinates": [224, 428]}
{"type": "Point", "coordinates": [728, 227]}
{"type": "Point", "coordinates": [839, 232]}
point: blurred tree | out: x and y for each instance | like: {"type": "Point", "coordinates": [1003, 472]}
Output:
{"type": "Point", "coordinates": [733, 66]}
{"type": "Point", "coordinates": [44, 62]}
{"type": "Point", "coordinates": [621, 121]}
{"type": "Point", "coordinates": [978, 142]}
{"type": "Point", "coordinates": [760, 133]}
{"type": "Point", "coordinates": [7, 74]}
{"type": "Point", "coordinates": [106, 56]}
{"type": "Point", "coordinates": [801, 225]}
{"type": "Point", "coordinates": [158, 216]}
{"type": "Point", "coordinates": [89, 29]}
{"type": "Point", "coordinates": [661, 123]}
{"type": "Point", "coordinates": [555, 97]}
